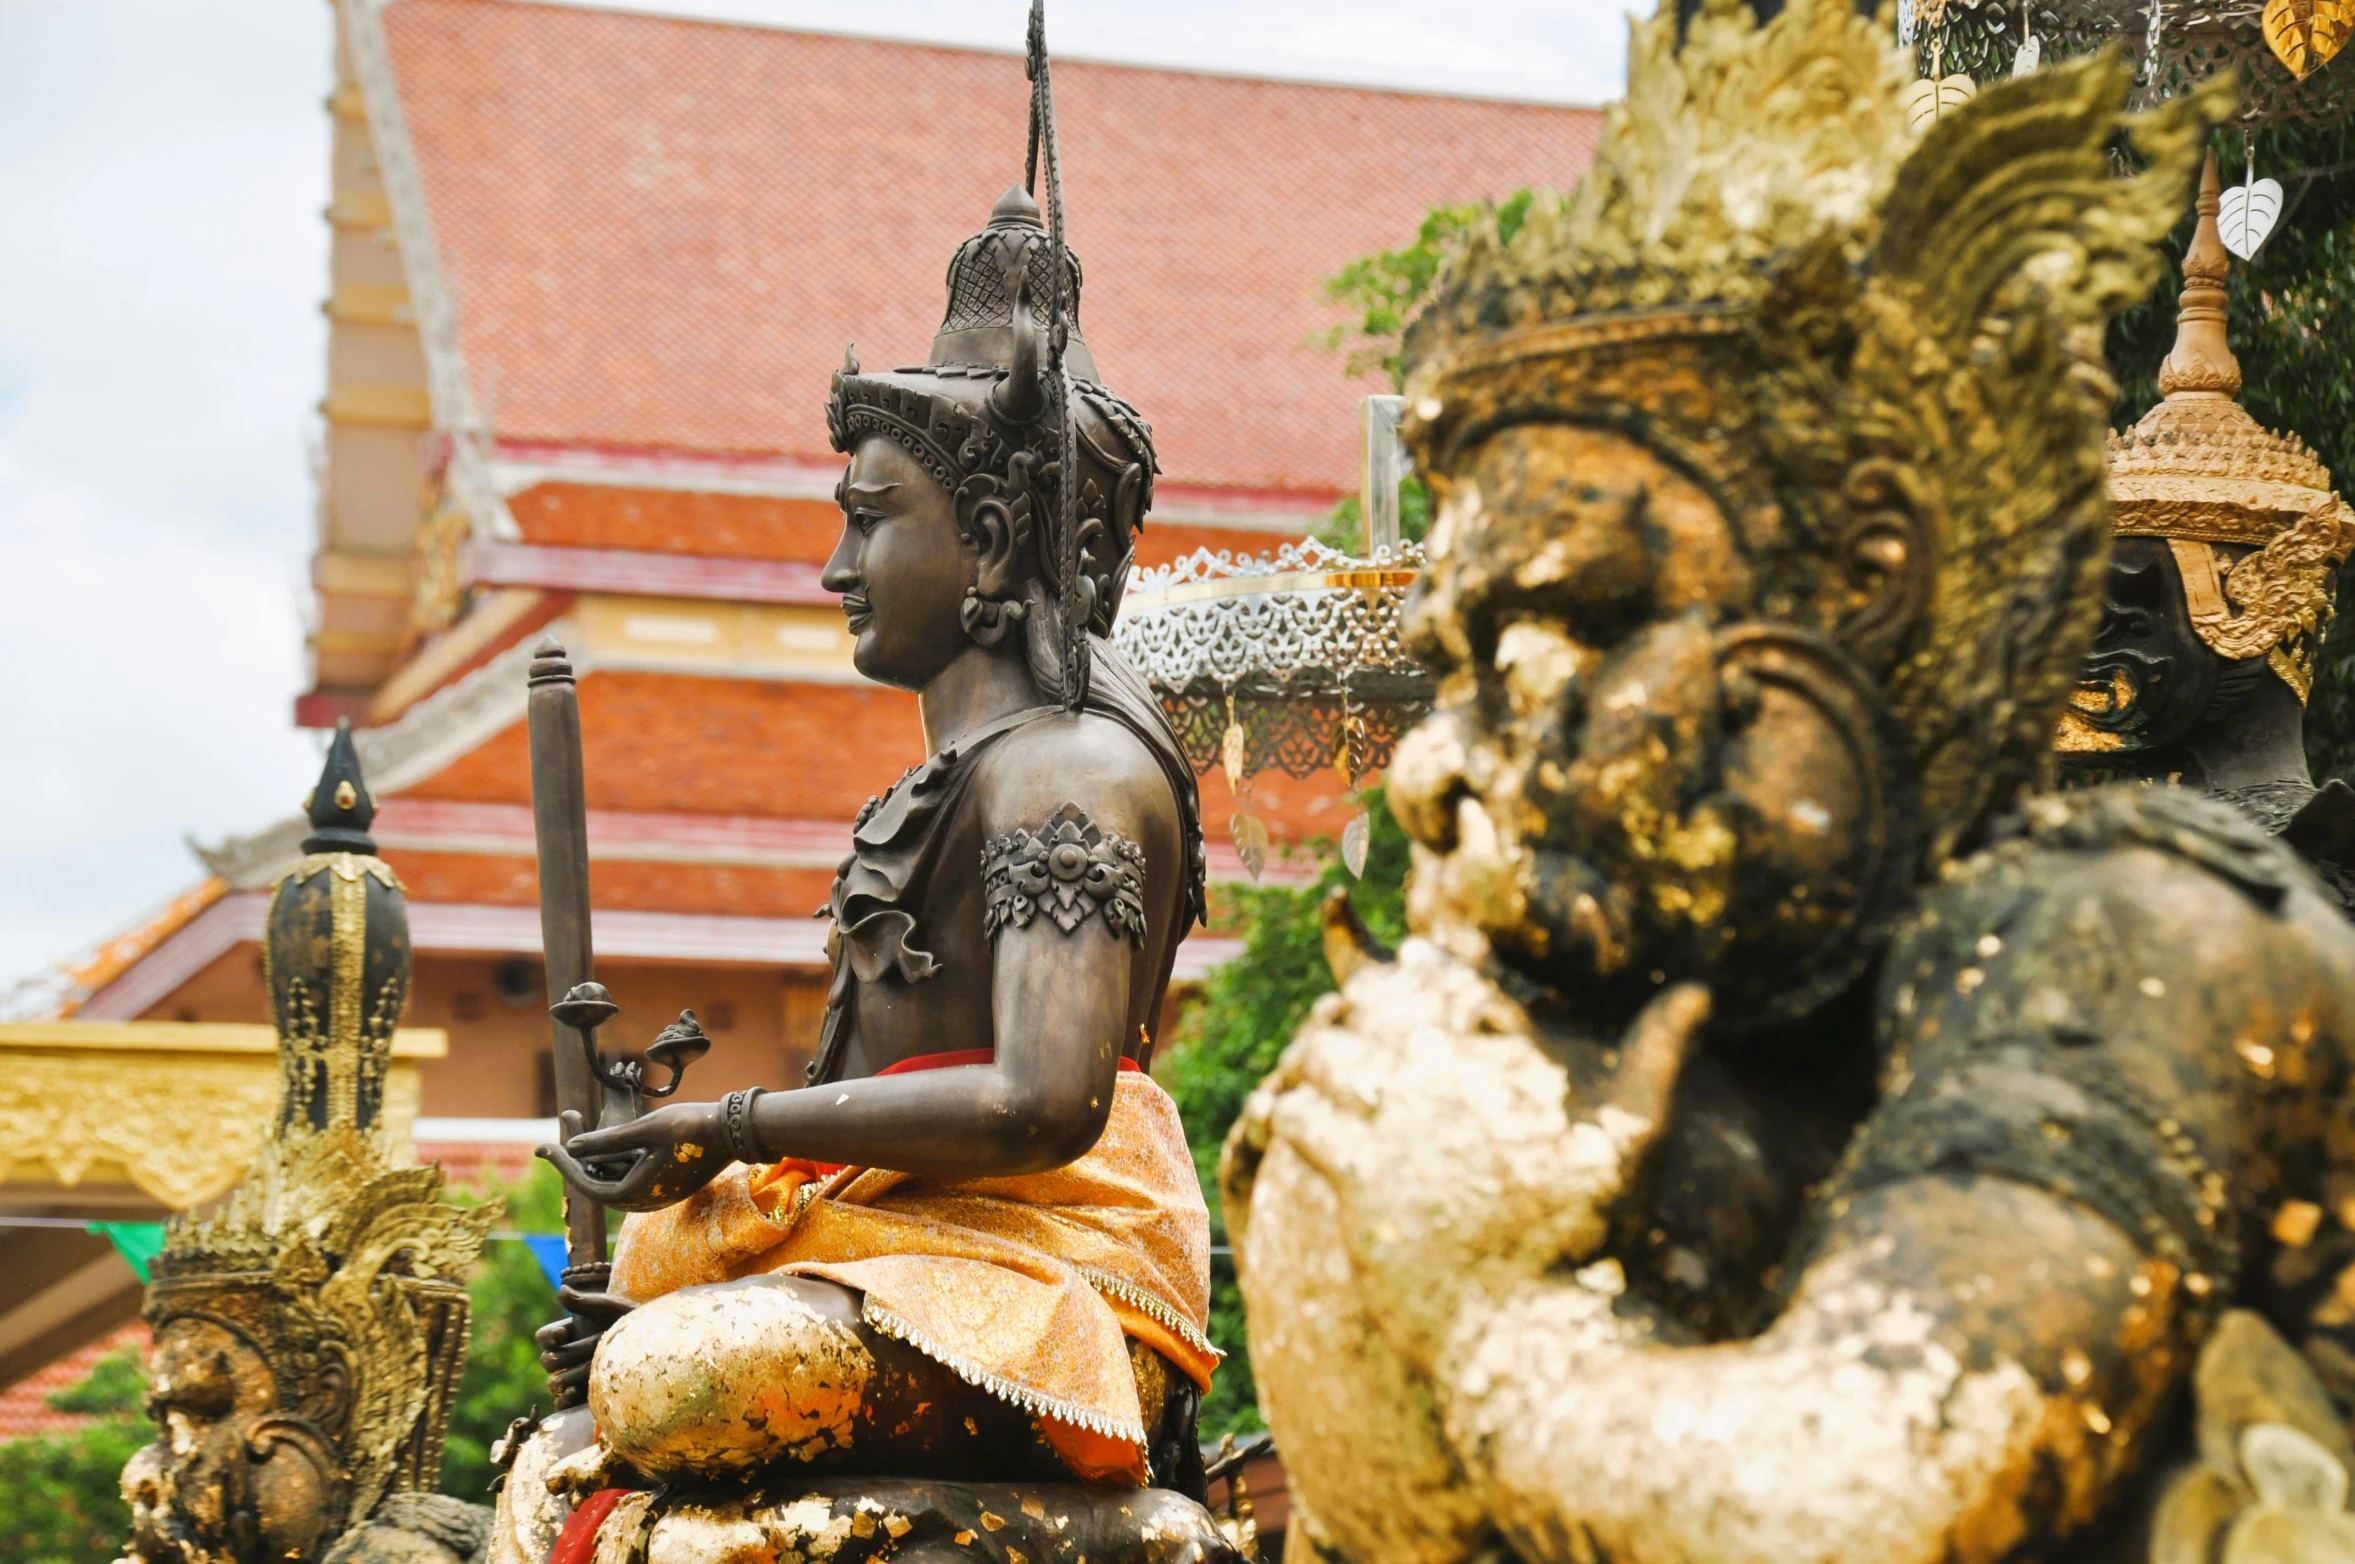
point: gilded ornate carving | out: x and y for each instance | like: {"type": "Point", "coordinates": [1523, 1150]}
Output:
{"type": "Point", "coordinates": [178, 1121]}
{"type": "Point", "coordinates": [310, 1330]}
{"type": "Point", "coordinates": [1747, 275]}
{"type": "Point", "coordinates": [2198, 471]}
{"type": "Point", "coordinates": [2220, 589]}
{"type": "Point", "coordinates": [439, 591]}
{"type": "Point", "coordinates": [1784, 1134]}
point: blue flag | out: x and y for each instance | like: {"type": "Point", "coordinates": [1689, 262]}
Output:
{"type": "Point", "coordinates": [548, 1249]}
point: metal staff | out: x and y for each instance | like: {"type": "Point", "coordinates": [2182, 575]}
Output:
{"type": "Point", "coordinates": [560, 817]}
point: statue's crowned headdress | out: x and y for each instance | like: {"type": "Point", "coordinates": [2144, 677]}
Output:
{"type": "Point", "coordinates": [1864, 345]}
{"type": "Point", "coordinates": [2200, 473]}
{"type": "Point", "coordinates": [1010, 414]}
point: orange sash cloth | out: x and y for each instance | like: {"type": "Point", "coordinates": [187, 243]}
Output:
{"type": "Point", "coordinates": [1024, 1286]}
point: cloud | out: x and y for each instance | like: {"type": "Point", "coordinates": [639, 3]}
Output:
{"type": "Point", "coordinates": [163, 167]}
{"type": "Point", "coordinates": [1568, 51]}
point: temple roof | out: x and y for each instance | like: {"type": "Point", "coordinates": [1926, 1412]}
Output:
{"type": "Point", "coordinates": [659, 234]}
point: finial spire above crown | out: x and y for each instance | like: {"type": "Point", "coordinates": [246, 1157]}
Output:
{"type": "Point", "coordinates": [2201, 364]}
{"type": "Point", "coordinates": [339, 806]}
{"type": "Point", "coordinates": [1017, 208]}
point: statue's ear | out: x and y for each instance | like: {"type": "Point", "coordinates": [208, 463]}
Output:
{"type": "Point", "coordinates": [997, 573]}
{"type": "Point", "coordinates": [996, 525]}
{"type": "Point", "coordinates": [1887, 560]}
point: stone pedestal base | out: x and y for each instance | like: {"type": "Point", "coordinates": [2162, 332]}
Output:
{"type": "Point", "coordinates": [913, 1521]}
{"type": "Point", "coordinates": [792, 1519]}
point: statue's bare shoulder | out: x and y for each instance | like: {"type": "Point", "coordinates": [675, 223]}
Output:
{"type": "Point", "coordinates": [1084, 761]}
{"type": "Point", "coordinates": [2137, 975]}
{"type": "Point", "coordinates": [2128, 894]}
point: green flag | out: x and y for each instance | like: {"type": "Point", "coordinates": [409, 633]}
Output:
{"type": "Point", "coordinates": [137, 1242]}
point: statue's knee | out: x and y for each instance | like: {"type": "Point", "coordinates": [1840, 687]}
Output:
{"type": "Point", "coordinates": [727, 1378]}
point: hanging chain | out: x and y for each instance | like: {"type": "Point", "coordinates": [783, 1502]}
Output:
{"type": "Point", "coordinates": [1042, 145]}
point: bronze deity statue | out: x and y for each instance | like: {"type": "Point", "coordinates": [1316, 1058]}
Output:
{"type": "Point", "coordinates": [1788, 1135]}
{"type": "Point", "coordinates": [2222, 585]}
{"type": "Point", "coordinates": [309, 1332]}
{"type": "Point", "coordinates": [948, 1298]}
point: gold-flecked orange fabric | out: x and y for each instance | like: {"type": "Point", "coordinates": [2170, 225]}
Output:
{"type": "Point", "coordinates": [1025, 1286]}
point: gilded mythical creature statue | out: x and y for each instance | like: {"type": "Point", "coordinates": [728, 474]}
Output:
{"type": "Point", "coordinates": [950, 1295]}
{"type": "Point", "coordinates": [2223, 575]}
{"type": "Point", "coordinates": [309, 1332]}
{"type": "Point", "coordinates": [1787, 1136]}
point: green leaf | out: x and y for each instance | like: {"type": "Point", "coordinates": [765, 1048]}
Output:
{"type": "Point", "coordinates": [61, 1498]}
{"type": "Point", "coordinates": [1233, 1032]}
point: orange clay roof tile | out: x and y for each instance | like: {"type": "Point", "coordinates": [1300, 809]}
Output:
{"type": "Point", "coordinates": [661, 233]}
{"type": "Point", "coordinates": [25, 1411]}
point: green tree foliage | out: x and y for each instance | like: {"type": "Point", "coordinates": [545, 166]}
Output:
{"type": "Point", "coordinates": [511, 1298]}
{"type": "Point", "coordinates": [2292, 323]}
{"type": "Point", "coordinates": [61, 1498]}
{"type": "Point", "coordinates": [1383, 291]}
{"type": "Point", "coordinates": [1231, 1035]}
{"type": "Point", "coordinates": [1344, 526]}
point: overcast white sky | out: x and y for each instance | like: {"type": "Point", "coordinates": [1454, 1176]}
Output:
{"type": "Point", "coordinates": [163, 164]}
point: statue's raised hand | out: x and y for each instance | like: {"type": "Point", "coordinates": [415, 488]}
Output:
{"type": "Point", "coordinates": [648, 1163]}
{"type": "Point", "coordinates": [1462, 1152]}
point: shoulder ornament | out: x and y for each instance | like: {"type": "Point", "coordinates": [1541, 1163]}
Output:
{"type": "Point", "coordinates": [2197, 829]}
{"type": "Point", "coordinates": [1069, 870]}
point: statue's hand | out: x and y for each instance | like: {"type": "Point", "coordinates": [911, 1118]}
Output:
{"type": "Point", "coordinates": [648, 1163]}
{"type": "Point", "coordinates": [1462, 1155]}
{"type": "Point", "coordinates": [568, 1345]}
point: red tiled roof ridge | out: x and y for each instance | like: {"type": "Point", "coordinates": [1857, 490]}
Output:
{"type": "Point", "coordinates": [1062, 56]}
{"type": "Point", "coordinates": [630, 466]}
{"type": "Point", "coordinates": [660, 232]}
{"type": "Point", "coordinates": [25, 1411]}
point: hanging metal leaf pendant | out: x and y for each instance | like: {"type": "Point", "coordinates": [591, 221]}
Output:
{"type": "Point", "coordinates": [2306, 35]}
{"type": "Point", "coordinates": [1926, 101]}
{"type": "Point", "coordinates": [1250, 838]}
{"type": "Point", "coordinates": [2031, 55]}
{"type": "Point", "coordinates": [1355, 837]}
{"type": "Point", "coordinates": [2246, 215]}
{"type": "Point", "coordinates": [1232, 749]}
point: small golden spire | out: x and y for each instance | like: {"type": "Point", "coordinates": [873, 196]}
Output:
{"type": "Point", "coordinates": [2202, 364]}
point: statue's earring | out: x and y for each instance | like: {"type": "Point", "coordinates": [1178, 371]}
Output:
{"type": "Point", "coordinates": [988, 620]}
{"type": "Point", "coordinates": [1840, 812]}
{"type": "Point", "coordinates": [1885, 557]}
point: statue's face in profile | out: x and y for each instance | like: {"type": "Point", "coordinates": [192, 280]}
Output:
{"type": "Point", "coordinates": [2150, 677]}
{"type": "Point", "coordinates": [900, 567]}
{"type": "Point", "coordinates": [229, 1479]}
{"type": "Point", "coordinates": [1629, 778]}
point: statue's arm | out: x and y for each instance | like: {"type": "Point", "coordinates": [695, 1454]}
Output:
{"type": "Point", "coordinates": [1966, 1363]}
{"type": "Point", "coordinates": [2013, 1268]}
{"type": "Point", "coordinates": [2005, 1284]}
{"type": "Point", "coordinates": [1064, 810]}
{"type": "Point", "coordinates": [1062, 951]}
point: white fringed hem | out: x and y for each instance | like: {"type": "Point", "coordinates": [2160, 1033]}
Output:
{"type": "Point", "coordinates": [1146, 1303]}
{"type": "Point", "coordinates": [998, 1385]}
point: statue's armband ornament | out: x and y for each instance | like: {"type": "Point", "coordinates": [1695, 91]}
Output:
{"type": "Point", "coordinates": [1069, 871]}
